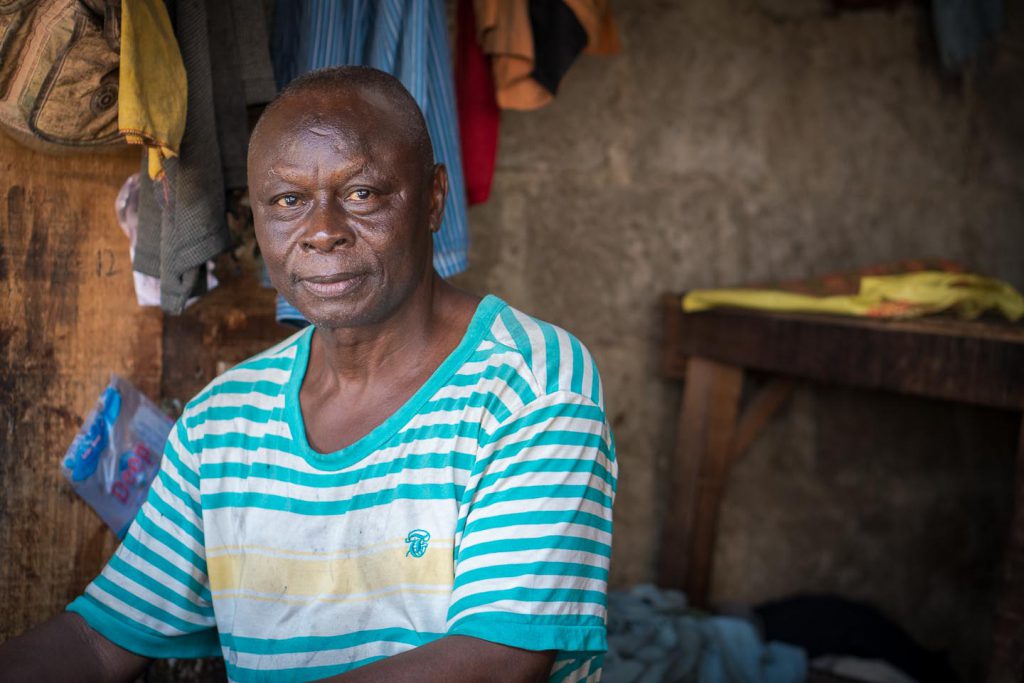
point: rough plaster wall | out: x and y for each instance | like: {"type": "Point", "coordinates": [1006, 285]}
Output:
{"type": "Point", "coordinates": [743, 140]}
{"type": "Point", "coordinates": [904, 503]}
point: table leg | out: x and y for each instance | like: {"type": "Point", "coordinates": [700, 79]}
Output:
{"type": "Point", "coordinates": [1007, 664]}
{"type": "Point", "coordinates": [703, 452]}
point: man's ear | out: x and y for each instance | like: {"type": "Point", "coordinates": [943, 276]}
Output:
{"type": "Point", "coordinates": [438, 192]}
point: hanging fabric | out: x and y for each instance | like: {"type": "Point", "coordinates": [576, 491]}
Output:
{"type": "Point", "coordinates": [479, 116]}
{"type": "Point", "coordinates": [409, 40]}
{"type": "Point", "coordinates": [532, 44]}
{"type": "Point", "coordinates": [504, 31]}
{"type": "Point", "coordinates": [183, 216]}
{"type": "Point", "coordinates": [152, 87]}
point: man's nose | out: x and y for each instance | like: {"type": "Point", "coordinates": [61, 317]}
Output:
{"type": "Point", "coordinates": [328, 228]}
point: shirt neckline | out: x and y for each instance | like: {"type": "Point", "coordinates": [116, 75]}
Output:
{"type": "Point", "coordinates": [479, 325]}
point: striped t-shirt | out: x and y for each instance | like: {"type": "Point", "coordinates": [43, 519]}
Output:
{"type": "Point", "coordinates": [482, 507]}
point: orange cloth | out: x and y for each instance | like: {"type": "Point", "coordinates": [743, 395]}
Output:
{"type": "Point", "coordinates": [595, 16]}
{"type": "Point", "coordinates": [504, 32]}
{"type": "Point", "coordinates": [503, 27]}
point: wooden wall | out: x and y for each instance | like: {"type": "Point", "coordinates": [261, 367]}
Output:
{"type": "Point", "coordinates": [68, 319]}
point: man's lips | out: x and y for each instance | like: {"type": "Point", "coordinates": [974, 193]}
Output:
{"type": "Point", "coordinates": [332, 285]}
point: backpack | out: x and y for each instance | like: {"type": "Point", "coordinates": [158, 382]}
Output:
{"type": "Point", "coordinates": [59, 72]}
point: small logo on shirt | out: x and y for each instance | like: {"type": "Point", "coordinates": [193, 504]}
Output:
{"type": "Point", "coordinates": [417, 540]}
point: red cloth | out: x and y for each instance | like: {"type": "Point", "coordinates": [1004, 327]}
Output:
{"type": "Point", "coordinates": [479, 115]}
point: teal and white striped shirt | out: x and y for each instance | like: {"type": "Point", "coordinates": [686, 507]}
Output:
{"type": "Point", "coordinates": [482, 507]}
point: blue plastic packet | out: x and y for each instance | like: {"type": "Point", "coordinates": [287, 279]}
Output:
{"type": "Point", "coordinates": [116, 453]}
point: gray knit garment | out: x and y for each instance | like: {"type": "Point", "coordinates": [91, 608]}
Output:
{"type": "Point", "coordinates": [182, 219]}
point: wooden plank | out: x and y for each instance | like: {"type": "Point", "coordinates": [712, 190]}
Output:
{"type": "Point", "coordinates": [673, 363]}
{"type": "Point", "coordinates": [68, 319]}
{"type": "Point", "coordinates": [973, 362]}
{"type": "Point", "coordinates": [756, 414]}
{"type": "Point", "coordinates": [699, 469]}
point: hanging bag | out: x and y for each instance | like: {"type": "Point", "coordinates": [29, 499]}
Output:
{"type": "Point", "coordinates": [59, 72]}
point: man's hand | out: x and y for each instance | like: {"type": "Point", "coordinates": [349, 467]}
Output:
{"type": "Point", "coordinates": [457, 659]}
{"type": "Point", "coordinates": [66, 649]}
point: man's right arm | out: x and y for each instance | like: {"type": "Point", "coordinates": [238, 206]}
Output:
{"type": "Point", "coordinates": [66, 648]}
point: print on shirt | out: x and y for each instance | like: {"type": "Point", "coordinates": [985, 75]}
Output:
{"type": "Point", "coordinates": [417, 540]}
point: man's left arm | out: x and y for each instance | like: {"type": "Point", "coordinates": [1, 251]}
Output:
{"type": "Point", "coordinates": [457, 659]}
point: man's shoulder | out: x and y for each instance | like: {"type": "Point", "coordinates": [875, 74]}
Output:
{"type": "Point", "coordinates": [552, 359]}
{"type": "Point", "coordinates": [255, 381]}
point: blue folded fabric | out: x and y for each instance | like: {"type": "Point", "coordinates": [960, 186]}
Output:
{"type": "Point", "coordinates": [654, 638]}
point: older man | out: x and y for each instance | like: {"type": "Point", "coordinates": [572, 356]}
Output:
{"type": "Point", "coordinates": [417, 487]}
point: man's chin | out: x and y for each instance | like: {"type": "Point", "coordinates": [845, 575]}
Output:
{"type": "Point", "coordinates": [337, 313]}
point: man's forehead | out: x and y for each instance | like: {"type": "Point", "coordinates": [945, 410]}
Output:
{"type": "Point", "coordinates": [348, 119]}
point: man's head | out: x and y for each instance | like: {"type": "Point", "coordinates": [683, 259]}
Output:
{"type": "Point", "coordinates": [345, 195]}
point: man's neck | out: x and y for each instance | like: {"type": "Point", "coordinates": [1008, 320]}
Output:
{"type": "Point", "coordinates": [357, 378]}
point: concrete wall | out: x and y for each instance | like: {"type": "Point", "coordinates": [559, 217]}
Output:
{"type": "Point", "coordinates": [744, 140]}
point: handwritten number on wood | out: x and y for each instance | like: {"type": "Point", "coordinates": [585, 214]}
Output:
{"type": "Point", "coordinates": [106, 263]}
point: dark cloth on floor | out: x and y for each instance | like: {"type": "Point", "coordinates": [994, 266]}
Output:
{"type": "Point", "coordinates": [831, 625]}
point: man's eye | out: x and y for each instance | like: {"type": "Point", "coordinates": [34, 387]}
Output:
{"type": "Point", "coordinates": [288, 200]}
{"type": "Point", "coordinates": [360, 195]}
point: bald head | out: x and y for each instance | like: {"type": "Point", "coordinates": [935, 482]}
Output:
{"type": "Point", "coordinates": [346, 196]}
{"type": "Point", "coordinates": [324, 92]}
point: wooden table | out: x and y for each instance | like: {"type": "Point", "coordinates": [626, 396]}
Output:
{"type": "Point", "coordinates": [971, 362]}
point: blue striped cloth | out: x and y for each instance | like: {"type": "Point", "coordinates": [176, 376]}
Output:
{"type": "Point", "coordinates": [409, 40]}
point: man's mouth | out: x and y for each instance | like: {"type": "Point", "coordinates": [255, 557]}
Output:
{"type": "Point", "coordinates": [336, 284]}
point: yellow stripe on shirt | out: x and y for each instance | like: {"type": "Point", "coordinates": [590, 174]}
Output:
{"type": "Point", "coordinates": [388, 567]}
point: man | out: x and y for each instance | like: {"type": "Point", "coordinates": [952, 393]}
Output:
{"type": "Point", "coordinates": [417, 487]}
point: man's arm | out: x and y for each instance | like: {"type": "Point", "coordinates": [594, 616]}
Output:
{"type": "Point", "coordinates": [456, 659]}
{"type": "Point", "coordinates": [65, 648]}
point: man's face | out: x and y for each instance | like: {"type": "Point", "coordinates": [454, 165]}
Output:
{"type": "Point", "coordinates": [343, 206]}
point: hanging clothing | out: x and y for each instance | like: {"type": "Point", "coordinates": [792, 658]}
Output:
{"type": "Point", "coordinates": [147, 287]}
{"type": "Point", "coordinates": [532, 44]}
{"type": "Point", "coordinates": [504, 32]}
{"type": "Point", "coordinates": [595, 16]}
{"type": "Point", "coordinates": [558, 39]}
{"type": "Point", "coordinates": [407, 39]}
{"type": "Point", "coordinates": [182, 221]}
{"type": "Point", "coordinates": [182, 218]}
{"type": "Point", "coordinates": [479, 116]}
{"type": "Point", "coordinates": [253, 51]}
{"type": "Point", "coordinates": [242, 75]}
{"type": "Point", "coordinates": [151, 83]}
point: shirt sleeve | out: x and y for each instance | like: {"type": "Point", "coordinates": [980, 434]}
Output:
{"type": "Point", "coordinates": [533, 542]}
{"type": "Point", "coordinates": [153, 597]}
